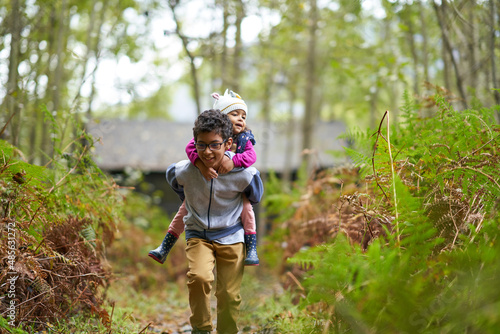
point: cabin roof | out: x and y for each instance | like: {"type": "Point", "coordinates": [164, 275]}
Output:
{"type": "Point", "coordinates": [152, 145]}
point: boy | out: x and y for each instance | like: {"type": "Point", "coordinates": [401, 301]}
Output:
{"type": "Point", "coordinates": [213, 228]}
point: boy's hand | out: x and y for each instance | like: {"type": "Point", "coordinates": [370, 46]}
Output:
{"type": "Point", "coordinates": [208, 173]}
{"type": "Point", "coordinates": [227, 165]}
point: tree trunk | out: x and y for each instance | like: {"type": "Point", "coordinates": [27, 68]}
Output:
{"type": "Point", "coordinates": [309, 113]}
{"type": "Point", "coordinates": [192, 65]}
{"type": "Point", "coordinates": [290, 134]}
{"type": "Point", "coordinates": [45, 145]}
{"type": "Point", "coordinates": [13, 92]}
{"type": "Point", "coordinates": [494, 83]}
{"type": "Point", "coordinates": [425, 37]}
{"type": "Point", "coordinates": [97, 56]}
{"type": "Point", "coordinates": [441, 14]}
{"type": "Point", "coordinates": [446, 67]}
{"type": "Point", "coordinates": [58, 86]}
{"type": "Point", "coordinates": [223, 57]}
{"type": "Point", "coordinates": [33, 105]}
{"type": "Point", "coordinates": [265, 140]}
{"type": "Point", "coordinates": [88, 51]}
{"type": "Point", "coordinates": [38, 116]}
{"type": "Point", "coordinates": [392, 85]}
{"type": "Point", "coordinates": [240, 14]}
{"type": "Point", "coordinates": [196, 85]}
{"type": "Point", "coordinates": [373, 106]}
{"type": "Point", "coordinates": [414, 54]}
{"type": "Point", "coordinates": [472, 40]}
{"type": "Point", "coordinates": [61, 46]}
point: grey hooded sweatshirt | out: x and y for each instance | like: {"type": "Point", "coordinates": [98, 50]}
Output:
{"type": "Point", "coordinates": [214, 206]}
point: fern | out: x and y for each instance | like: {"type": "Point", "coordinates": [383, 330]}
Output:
{"type": "Point", "coordinates": [88, 234]}
{"type": "Point", "coordinates": [359, 149]}
{"type": "Point", "coordinates": [359, 159]}
{"type": "Point", "coordinates": [444, 266]}
{"type": "Point", "coordinates": [35, 175]}
{"type": "Point", "coordinates": [279, 202]}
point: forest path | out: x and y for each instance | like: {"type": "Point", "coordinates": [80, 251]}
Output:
{"type": "Point", "coordinates": [148, 294]}
{"type": "Point", "coordinates": [168, 312]}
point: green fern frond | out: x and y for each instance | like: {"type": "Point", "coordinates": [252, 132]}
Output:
{"type": "Point", "coordinates": [88, 234]}
{"type": "Point", "coordinates": [408, 110]}
{"type": "Point", "coordinates": [359, 159]}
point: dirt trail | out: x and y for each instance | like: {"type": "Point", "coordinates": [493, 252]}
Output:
{"type": "Point", "coordinates": [173, 317]}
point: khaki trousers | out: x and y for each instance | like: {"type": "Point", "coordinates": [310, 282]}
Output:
{"type": "Point", "coordinates": [203, 256]}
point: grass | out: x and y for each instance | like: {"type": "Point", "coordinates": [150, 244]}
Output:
{"type": "Point", "coordinates": [133, 311]}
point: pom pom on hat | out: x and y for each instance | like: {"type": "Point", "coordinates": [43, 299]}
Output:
{"type": "Point", "coordinates": [229, 101]}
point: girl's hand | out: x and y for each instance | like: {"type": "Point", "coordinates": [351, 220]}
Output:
{"type": "Point", "coordinates": [226, 166]}
{"type": "Point", "coordinates": [208, 173]}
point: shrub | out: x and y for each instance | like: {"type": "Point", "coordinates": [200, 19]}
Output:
{"type": "Point", "coordinates": [55, 223]}
{"type": "Point", "coordinates": [433, 189]}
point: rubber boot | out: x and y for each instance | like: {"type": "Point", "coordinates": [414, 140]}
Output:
{"type": "Point", "coordinates": [160, 254]}
{"type": "Point", "coordinates": [251, 250]}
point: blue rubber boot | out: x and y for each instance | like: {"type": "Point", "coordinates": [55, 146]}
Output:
{"type": "Point", "coordinates": [251, 250]}
{"type": "Point", "coordinates": [160, 254]}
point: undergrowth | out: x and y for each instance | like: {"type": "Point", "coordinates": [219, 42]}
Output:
{"type": "Point", "coordinates": [56, 221]}
{"type": "Point", "coordinates": [412, 247]}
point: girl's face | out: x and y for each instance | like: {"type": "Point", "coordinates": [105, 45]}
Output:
{"type": "Point", "coordinates": [238, 118]}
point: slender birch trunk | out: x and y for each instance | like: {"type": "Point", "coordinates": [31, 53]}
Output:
{"type": "Point", "coordinates": [13, 92]}
{"type": "Point", "coordinates": [238, 46]}
{"type": "Point", "coordinates": [495, 85]}
{"type": "Point", "coordinates": [310, 113]}
{"type": "Point", "coordinates": [441, 16]}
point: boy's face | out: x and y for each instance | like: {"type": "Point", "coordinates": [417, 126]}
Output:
{"type": "Point", "coordinates": [238, 118]}
{"type": "Point", "coordinates": [212, 158]}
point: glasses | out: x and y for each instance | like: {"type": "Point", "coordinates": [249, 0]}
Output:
{"type": "Point", "coordinates": [211, 146]}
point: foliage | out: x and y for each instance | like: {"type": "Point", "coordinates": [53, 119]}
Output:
{"type": "Point", "coordinates": [152, 107]}
{"type": "Point", "coordinates": [55, 223]}
{"type": "Point", "coordinates": [432, 194]}
{"type": "Point", "coordinates": [53, 52]}
{"type": "Point", "coordinates": [4, 325]}
{"type": "Point", "coordinates": [279, 200]}
{"type": "Point", "coordinates": [280, 204]}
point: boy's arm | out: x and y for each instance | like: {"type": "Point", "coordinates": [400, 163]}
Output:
{"type": "Point", "coordinates": [255, 188]}
{"type": "Point", "coordinates": [247, 158]}
{"type": "Point", "coordinates": [208, 173]}
{"type": "Point", "coordinates": [227, 165]}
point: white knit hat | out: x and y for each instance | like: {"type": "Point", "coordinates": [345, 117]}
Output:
{"type": "Point", "coordinates": [228, 102]}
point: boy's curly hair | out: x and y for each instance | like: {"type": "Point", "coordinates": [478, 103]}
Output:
{"type": "Point", "coordinates": [213, 120]}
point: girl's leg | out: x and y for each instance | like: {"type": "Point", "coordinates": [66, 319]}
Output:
{"type": "Point", "coordinates": [248, 217]}
{"type": "Point", "coordinates": [248, 220]}
{"type": "Point", "coordinates": [174, 231]}
{"type": "Point", "coordinates": [177, 225]}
